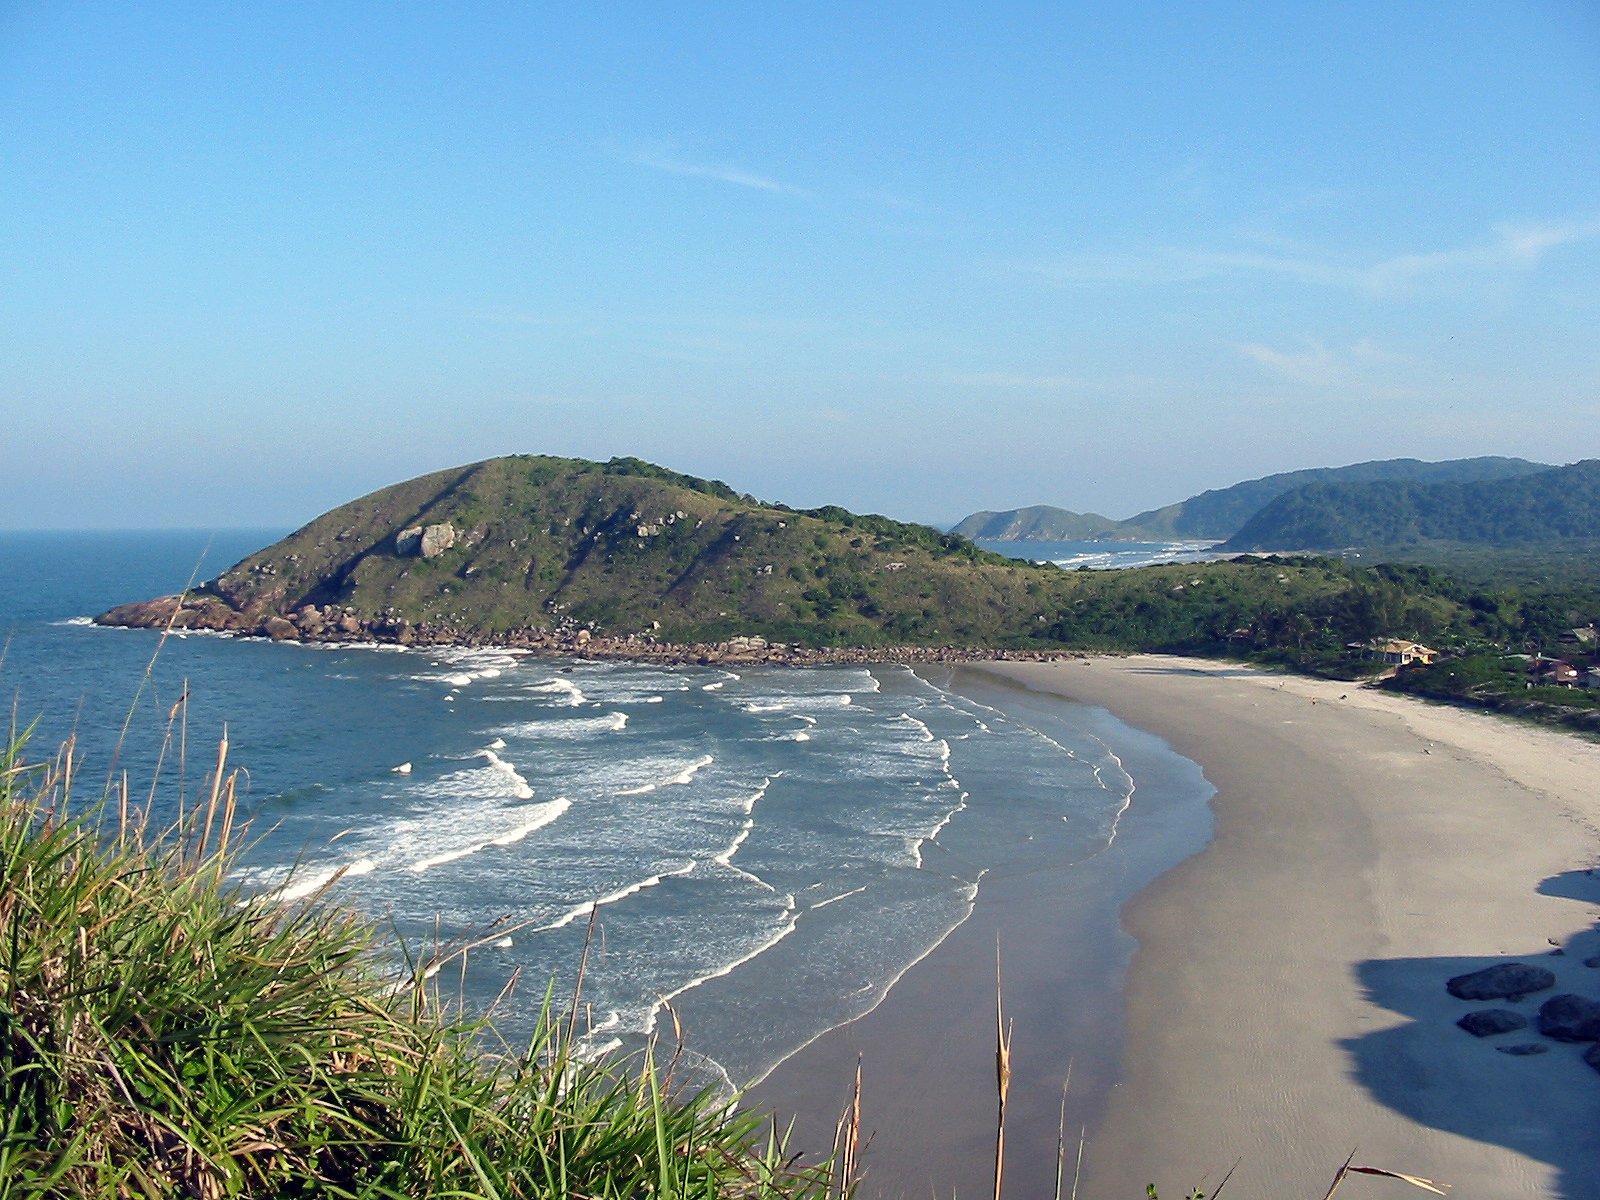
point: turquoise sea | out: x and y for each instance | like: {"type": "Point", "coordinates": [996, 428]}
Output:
{"type": "Point", "coordinates": [764, 850]}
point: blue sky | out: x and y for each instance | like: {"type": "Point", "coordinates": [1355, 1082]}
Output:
{"type": "Point", "coordinates": [256, 260]}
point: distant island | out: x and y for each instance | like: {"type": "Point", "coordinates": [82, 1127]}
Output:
{"type": "Point", "coordinates": [1221, 514]}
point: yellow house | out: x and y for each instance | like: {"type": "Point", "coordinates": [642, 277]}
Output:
{"type": "Point", "coordinates": [1398, 653]}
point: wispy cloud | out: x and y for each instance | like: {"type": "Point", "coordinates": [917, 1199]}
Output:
{"type": "Point", "coordinates": [1313, 363]}
{"type": "Point", "coordinates": [1362, 365]}
{"type": "Point", "coordinates": [665, 157]}
{"type": "Point", "coordinates": [1508, 247]}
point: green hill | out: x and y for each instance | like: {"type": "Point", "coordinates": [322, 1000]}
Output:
{"type": "Point", "coordinates": [1551, 506]}
{"type": "Point", "coordinates": [1222, 512]}
{"type": "Point", "coordinates": [621, 548]}
{"type": "Point", "coordinates": [1040, 523]}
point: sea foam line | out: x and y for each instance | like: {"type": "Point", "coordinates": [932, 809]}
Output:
{"type": "Point", "coordinates": [295, 888]}
{"type": "Point", "coordinates": [544, 815]}
{"type": "Point", "coordinates": [725, 859]}
{"type": "Point", "coordinates": [622, 893]}
{"type": "Point", "coordinates": [684, 776]}
{"type": "Point", "coordinates": [971, 902]}
{"type": "Point", "coordinates": [791, 918]}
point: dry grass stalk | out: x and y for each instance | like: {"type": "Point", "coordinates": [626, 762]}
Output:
{"type": "Point", "coordinates": [1415, 1181]}
{"type": "Point", "coordinates": [1002, 1071]}
{"type": "Point", "coordinates": [846, 1157]}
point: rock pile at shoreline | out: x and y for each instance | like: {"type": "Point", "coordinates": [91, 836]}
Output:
{"type": "Point", "coordinates": [332, 624]}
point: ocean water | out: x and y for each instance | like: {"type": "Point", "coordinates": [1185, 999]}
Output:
{"type": "Point", "coordinates": [767, 850]}
{"type": "Point", "coordinates": [1106, 556]}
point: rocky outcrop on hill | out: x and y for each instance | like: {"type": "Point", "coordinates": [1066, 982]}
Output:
{"type": "Point", "coordinates": [425, 541]}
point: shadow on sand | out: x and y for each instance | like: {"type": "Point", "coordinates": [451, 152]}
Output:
{"type": "Point", "coordinates": [1544, 1105]}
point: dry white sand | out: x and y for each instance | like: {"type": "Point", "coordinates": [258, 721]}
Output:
{"type": "Point", "coordinates": [1287, 1003]}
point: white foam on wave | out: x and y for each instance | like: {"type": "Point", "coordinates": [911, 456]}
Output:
{"type": "Point", "coordinates": [933, 835]}
{"type": "Point", "coordinates": [836, 899]}
{"type": "Point", "coordinates": [725, 858]}
{"type": "Point", "coordinates": [582, 911]}
{"type": "Point", "coordinates": [927, 734]}
{"type": "Point", "coordinates": [570, 728]}
{"type": "Point", "coordinates": [559, 686]}
{"type": "Point", "coordinates": [519, 786]}
{"type": "Point", "coordinates": [969, 899]}
{"type": "Point", "coordinates": [588, 1051]}
{"type": "Point", "coordinates": [684, 776]}
{"type": "Point", "coordinates": [652, 699]}
{"type": "Point", "coordinates": [498, 744]}
{"type": "Point", "coordinates": [1127, 794]}
{"type": "Point", "coordinates": [763, 708]}
{"type": "Point", "coordinates": [75, 621]}
{"type": "Point", "coordinates": [800, 735]}
{"type": "Point", "coordinates": [542, 815]}
{"type": "Point", "coordinates": [785, 928]}
{"type": "Point", "coordinates": [299, 884]}
{"type": "Point", "coordinates": [403, 769]}
{"type": "Point", "coordinates": [712, 687]}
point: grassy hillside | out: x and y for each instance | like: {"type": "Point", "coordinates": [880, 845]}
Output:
{"type": "Point", "coordinates": [161, 1038]}
{"type": "Point", "coordinates": [625, 547]}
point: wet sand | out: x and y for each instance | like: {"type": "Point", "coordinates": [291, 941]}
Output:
{"type": "Point", "coordinates": [1286, 1002]}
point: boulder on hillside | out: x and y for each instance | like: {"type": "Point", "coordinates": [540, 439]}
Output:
{"type": "Point", "coordinates": [1486, 1022]}
{"type": "Point", "coordinates": [436, 539]}
{"type": "Point", "coordinates": [425, 541]}
{"type": "Point", "coordinates": [1503, 981]}
{"type": "Point", "coordinates": [1569, 1018]}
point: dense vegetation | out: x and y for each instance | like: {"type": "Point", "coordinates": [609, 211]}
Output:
{"type": "Point", "coordinates": [1549, 506]}
{"type": "Point", "coordinates": [1222, 512]}
{"type": "Point", "coordinates": [161, 1038]}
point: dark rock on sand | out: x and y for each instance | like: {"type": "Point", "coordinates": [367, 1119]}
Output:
{"type": "Point", "coordinates": [1503, 981]}
{"type": "Point", "coordinates": [1524, 1048]}
{"type": "Point", "coordinates": [1487, 1022]}
{"type": "Point", "coordinates": [1569, 1018]}
{"type": "Point", "coordinates": [1592, 1056]}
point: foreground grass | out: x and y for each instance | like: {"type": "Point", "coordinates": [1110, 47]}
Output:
{"type": "Point", "coordinates": [161, 1037]}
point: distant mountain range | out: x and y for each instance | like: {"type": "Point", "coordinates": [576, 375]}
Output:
{"type": "Point", "coordinates": [1547, 506]}
{"type": "Point", "coordinates": [1224, 514]}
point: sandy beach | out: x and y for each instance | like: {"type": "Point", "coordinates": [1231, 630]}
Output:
{"type": "Point", "coordinates": [1286, 1002]}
